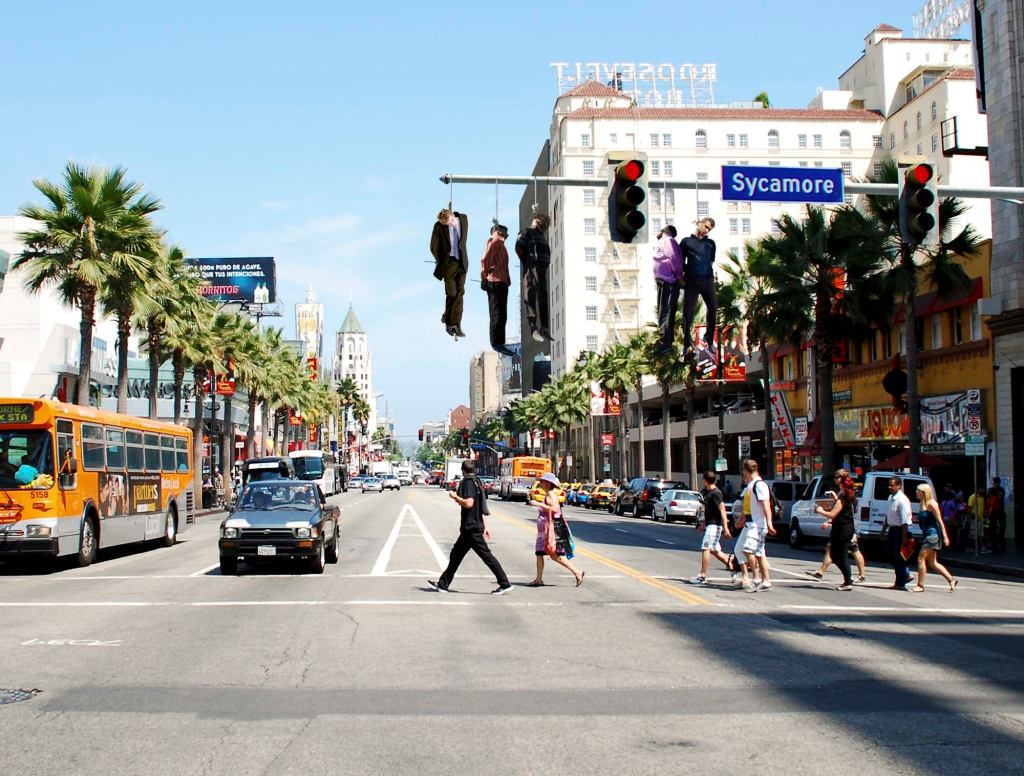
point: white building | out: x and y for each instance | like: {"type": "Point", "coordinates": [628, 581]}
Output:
{"type": "Point", "coordinates": [39, 339]}
{"type": "Point", "coordinates": [352, 359]}
{"type": "Point", "coordinates": [309, 327]}
{"type": "Point", "coordinates": [485, 393]}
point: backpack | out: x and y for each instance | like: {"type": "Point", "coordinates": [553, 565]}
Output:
{"type": "Point", "coordinates": [773, 504]}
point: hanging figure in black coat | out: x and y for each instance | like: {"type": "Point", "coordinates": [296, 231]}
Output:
{"type": "Point", "coordinates": [448, 246]}
{"type": "Point", "coordinates": [699, 281]}
{"type": "Point", "coordinates": [535, 258]}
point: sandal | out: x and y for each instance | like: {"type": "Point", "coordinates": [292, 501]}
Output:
{"type": "Point", "coordinates": [579, 579]}
{"type": "Point", "coordinates": [917, 589]}
{"type": "Point", "coordinates": [953, 584]}
{"type": "Point", "coordinates": [815, 574]}
{"type": "Point", "coordinates": [535, 583]}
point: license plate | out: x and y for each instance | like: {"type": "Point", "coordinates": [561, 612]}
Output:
{"type": "Point", "coordinates": [266, 549]}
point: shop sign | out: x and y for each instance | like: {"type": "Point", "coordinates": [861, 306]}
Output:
{"type": "Point", "coordinates": [842, 397]}
{"type": "Point", "coordinates": [788, 385]}
{"type": "Point", "coordinates": [744, 446]}
{"type": "Point", "coordinates": [800, 430]}
{"type": "Point", "coordinates": [607, 440]}
{"type": "Point", "coordinates": [870, 424]}
{"type": "Point", "coordinates": [950, 418]}
{"type": "Point", "coordinates": [602, 403]}
{"type": "Point", "coordinates": [783, 419]}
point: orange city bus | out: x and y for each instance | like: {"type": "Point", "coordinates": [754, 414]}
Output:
{"type": "Point", "coordinates": [518, 475]}
{"type": "Point", "coordinates": [76, 479]}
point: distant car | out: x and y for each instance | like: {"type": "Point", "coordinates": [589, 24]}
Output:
{"type": "Point", "coordinates": [370, 484]}
{"type": "Point", "coordinates": [405, 479]}
{"type": "Point", "coordinates": [280, 519]}
{"type": "Point", "coordinates": [355, 482]}
{"type": "Point", "coordinates": [583, 493]}
{"type": "Point", "coordinates": [677, 504]}
{"type": "Point", "coordinates": [390, 482]}
{"type": "Point", "coordinates": [601, 497]}
{"type": "Point", "coordinates": [491, 485]}
{"type": "Point", "coordinates": [638, 497]}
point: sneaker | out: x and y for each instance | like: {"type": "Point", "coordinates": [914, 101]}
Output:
{"type": "Point", "coordinates": [538, 337]}
{"type": "Point", "coordinates": [845, 588]}
{"type": "Point", "coordinates": [757, 581]}
{"type": "Point", "coordinates": [698, 580]}
{"type": "Point", "coordinates": [502, 590]}
{"type": "Point", "coordinates": [749, 588]}
{"type": "Point", "coordinates": [860, 580]}
{"type": "Point", "coordinates": [764, 587]}
{"type": "Point", "coordinates": [815, 574]}
{"type": "Point", "coordinates": [438, 587]}
{"type": "Point", "coordinates": [737, 579]}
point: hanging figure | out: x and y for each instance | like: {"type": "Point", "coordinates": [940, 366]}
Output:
{"type": "Point", "coordinates": [448, 246]}
{"type": "Point", "coordinates": [699, 280]}
{"type": "Point", "coordinates": [495, 281]}
{"type": "Point", "coordinates": [535, 258]}
{"type": "Point", "coordinates": [668, 274]}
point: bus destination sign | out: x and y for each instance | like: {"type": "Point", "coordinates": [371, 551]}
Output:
{"type": "Point", "coordinates": [11, 414]}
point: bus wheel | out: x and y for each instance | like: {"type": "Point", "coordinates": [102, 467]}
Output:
{"type": "Point", "coordinates": [86, 543]}
{"type": "Point", "coordinates": [170, 530]}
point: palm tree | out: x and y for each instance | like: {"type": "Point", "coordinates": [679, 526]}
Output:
{"type": "Point", "coordinates": [95, 224]}
{"type": "Point", "coordinates": [904, 271]}
{"type": "Point", "coordinates": [671, 370]}
{"type": "Point", "coordinates": [611, 370]}
{"type": "Point", "coordinates": [348, 392]}
{"type": "Point", "coordinates": [637, 366]}
{"type": "Point", "coordinates": [361, 414]}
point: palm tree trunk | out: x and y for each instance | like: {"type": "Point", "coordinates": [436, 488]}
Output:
{"type": "Point", "coordinates": [178, 362]}
{"type": "Point", "coordinates": [87, 301]}
{"type": "Point", "coordinates": [593, 451]}
{"type": "Point", "coordinates": [266, 430]}
{"type": "Point", "coordinates": [124, 331]}
{"type": "Point", "coordinates": [623, 445]}
{"type": "Point", "coordinates": [666, 439]}
{"type": "Point", "coordinates": [769, 449]}
{"type": "Point", "coordinates": [691, 440]}
{"type": "Point", "coordinates": [913, 397]}
{"type": "Point", "coordinates": [277, 431]}
{"type": "Point", "coordinates": [197, 435]}
{"type": "Point", "coordinates": [227, 447]}
{"type": "Point", "coordinates": [824, 348]}
{"type": "Point", "coordinates": [153, 329]}
{"type": "Point", "coordinates": [642, 458]}
{"type": "Point", "coordinates": [250, 434]}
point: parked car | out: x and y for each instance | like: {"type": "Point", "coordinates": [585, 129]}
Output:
{"type": "Point", "coordinates": [677, 504]}
{"type": "Point", "coordinates": [872, 505]}
{"type": "Point", "coordinates": [490, 484]}
{"type": "Point", "coordinates": [537, 493]}
{"type": "Point", "coordinates": [277, 519]}
{"type": "Point", "coordinates": [371, 484]}
{"type": "Point", "coordinates": [601, 497]}
{"type": "Point", "coordinates": [583, 494]}
{"type": "Point", "coordinates": [638, 497]}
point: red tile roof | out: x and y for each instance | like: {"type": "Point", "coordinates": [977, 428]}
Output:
{"type": "Point", "coordinates": [711, 114]}
{"type": "Point", "coordinates": [886, 28]}
{"type": "Point", "coordinates": [959, 74]}
{"type": "Point", "coordinates": [592, 88]}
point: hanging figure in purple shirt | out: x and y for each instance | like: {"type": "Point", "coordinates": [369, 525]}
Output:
{"type": "Point", "coordinates": [668, 273]}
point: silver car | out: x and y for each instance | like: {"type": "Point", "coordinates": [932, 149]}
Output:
{"type": "Point", "coordinates": [677, 504]}
{"type": "Point", "coordinates": [371, 484]}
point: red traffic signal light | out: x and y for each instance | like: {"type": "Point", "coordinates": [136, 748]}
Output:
{"type": "Point", "coordinates": [465, 436]}
{"type": "Point", "coordinates": [918, 205]}
{"type": "Point", "coordinates": [421, 434]}
{"type": "Point", "coordinates": [627, 200]}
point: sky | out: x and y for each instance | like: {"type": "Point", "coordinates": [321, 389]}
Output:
{"type": "Point", "coordinates": [315, 132]}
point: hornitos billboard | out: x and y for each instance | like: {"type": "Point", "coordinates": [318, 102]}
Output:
{"type": "Point", "coordinates": [249, 279]}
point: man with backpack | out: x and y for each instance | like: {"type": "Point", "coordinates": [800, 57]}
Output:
{"type": "Point", "coordinates": [757, 530]}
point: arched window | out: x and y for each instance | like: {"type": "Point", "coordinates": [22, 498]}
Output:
{"type": "Point", "coordinates": [906, 134]}
{"type": "Point", "coordinates": [919, 121]}
{"type": "Point", "coordinates": [844, 139]}
{"type": "Point", "coordinates": [935, 111]}
{"type": "Point", "coordinates": [701, 138]}
{"type": "Point", "coordinates": [773, 138]}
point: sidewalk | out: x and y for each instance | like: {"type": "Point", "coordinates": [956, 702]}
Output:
{"type": "Point", "coordinates": [1009, 563]}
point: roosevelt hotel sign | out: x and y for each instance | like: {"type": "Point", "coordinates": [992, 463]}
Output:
{"type": "Point", "coordinates": [648, 83]}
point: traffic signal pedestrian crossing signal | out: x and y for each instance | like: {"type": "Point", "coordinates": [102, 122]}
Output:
{"type": "Point", "coordinates": [627, 200]}
{"type": "Point", "coordinates": [918, 205]}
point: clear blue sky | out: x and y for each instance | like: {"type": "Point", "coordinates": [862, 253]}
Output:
{"type": "Point", "coordinates": [315, 132]}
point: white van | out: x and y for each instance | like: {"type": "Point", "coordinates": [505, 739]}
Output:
{"type": "Point", "coordinates": [872, 506]}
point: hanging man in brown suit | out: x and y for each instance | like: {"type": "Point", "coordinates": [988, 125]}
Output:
{"type": "Point", "coordinates": [495, 281]}
{"type": "Point", "coordinates": [448, 246]}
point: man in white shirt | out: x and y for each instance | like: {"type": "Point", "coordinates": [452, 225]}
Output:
{"type": "Point", "coordinates": [751, 541]}
{"type": "Point", "coordinates": [897, 527]}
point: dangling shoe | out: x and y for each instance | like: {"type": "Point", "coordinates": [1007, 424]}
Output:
{"type": "Point", "coordinates": [538, 337]}
{"type": "Point", "coordinates": [459, 332]}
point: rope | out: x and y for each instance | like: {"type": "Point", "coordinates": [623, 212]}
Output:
{"type": "Point", "coordinates": [534, 208]}
{"type": "Point", "coordinates": [494, 221]}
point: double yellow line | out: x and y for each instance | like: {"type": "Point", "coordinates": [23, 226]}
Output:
{"type": "Point", "coordinates": [622, 568]}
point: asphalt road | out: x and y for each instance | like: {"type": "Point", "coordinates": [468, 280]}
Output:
{"type": "Point", "coordinates": [150, 662]}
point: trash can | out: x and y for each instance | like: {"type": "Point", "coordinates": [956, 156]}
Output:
{"type": "Point", "coordinates": [207, 498]}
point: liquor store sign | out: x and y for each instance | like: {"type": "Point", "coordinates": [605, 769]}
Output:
{"type": "Point", "coordinates": [870, 424]}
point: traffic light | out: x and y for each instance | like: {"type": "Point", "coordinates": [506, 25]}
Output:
{"type": "Point", "coordinates": [465, 437]}
{"type": "Point", "coordinates": [421, 434]}
{"type": "Point", "coordinates": [919, 206]}
{"type": "Point", "coordinates": [627, 199]}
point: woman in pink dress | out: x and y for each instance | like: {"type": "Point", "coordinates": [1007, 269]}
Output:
{"type": "Point", "coordinates": [553, 538]}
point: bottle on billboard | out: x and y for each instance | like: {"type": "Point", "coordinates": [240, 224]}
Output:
{"type": "Point", "coordinates": [261, 295]}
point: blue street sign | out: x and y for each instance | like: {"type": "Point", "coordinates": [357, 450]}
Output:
{"type": "Point", "coordinates": [816, 185]}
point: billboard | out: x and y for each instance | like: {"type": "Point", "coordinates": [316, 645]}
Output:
{"type": "Point", "coordinates": [251, 279]}
{"type": "Point", "coordinates": [512, 369]}
{"type": "Point", "coordinates": [600, 404]}
{"type": "Point", "coordinates": [734, 354]}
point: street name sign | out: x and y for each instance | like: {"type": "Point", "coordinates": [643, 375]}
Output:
{"type": "Point", "coordinates": [817, 185]}
{"type": "Point", "coordinates": [721, 465]}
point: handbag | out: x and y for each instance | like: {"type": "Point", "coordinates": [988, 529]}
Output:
{"type": "Point", "coordinates": [908, 547]}
{"type": "Point", "coordinates": [550, 542]}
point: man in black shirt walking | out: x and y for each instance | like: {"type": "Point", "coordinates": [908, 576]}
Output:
{"type": "Point", "coordinates": [473, 533]}
{"type": "Point", "coordinates": [699, 280]}
{"type": "Point", "coordinates": [715, 526]}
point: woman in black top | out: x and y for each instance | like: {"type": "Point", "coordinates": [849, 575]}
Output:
{"type": "Point", "coordinates": [841, 517]}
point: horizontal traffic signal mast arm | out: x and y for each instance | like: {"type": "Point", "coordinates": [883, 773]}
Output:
{"type": "Point", "coordinates": [849, 186]}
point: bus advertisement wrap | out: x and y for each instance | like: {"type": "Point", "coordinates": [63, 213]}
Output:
{"type": "Point", "coordinates": [252, 280]}
{"type": "Point", "coordinates": [145, 493]}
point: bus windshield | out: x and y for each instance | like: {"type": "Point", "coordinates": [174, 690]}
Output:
{"type": "Point", "coordinates": [308, 468]}
{"type": "Point", "coordinates": [32, 449]}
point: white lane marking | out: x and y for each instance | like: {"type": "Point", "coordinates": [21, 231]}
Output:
{"type": "Point", "coordinates": [442, 561]}
{"type": "Point", "coordinates": [217, 579]}
{"type": "Point", "coordinates": [380, 568]}
{"type": "Point", "coordinates": [902, 609]}
{"type": "Point", "coordinates": [207, 570]}
{"type": "Point", "coordinates": [663, 541]}
{"type": "Point", "coordinates": [27, 604]}
{"type": "Point", "coordinates": [71, 643]}
{"type": "Point", "coordinates": [622, 530]}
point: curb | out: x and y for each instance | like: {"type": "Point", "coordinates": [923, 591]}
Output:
{"type": "Point", "coordinates": [990, 568]}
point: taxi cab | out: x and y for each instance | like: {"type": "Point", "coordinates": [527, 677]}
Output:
{"type": "Point", "coordinates": [537, 494]}
{"type": "Point", "coordinates": [601, 497]}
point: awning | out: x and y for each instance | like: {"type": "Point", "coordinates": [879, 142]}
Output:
{"type": "Point", "coordinates": [812, 443]}
{"type": "Point", "coordinates": [931, 303]}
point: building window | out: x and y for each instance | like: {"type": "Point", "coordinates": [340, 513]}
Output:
{"type": "Point", "coordinates": [845, 140]}
{"type": "Point", "coordinates": [819, 164]}
{"type": "Point", "coordinates": [668, 169]}
{"type": "Point", "coordinates": [702, 176]}
{"type": "Point", "coordinates": [743, 141]}
{"type": "Point", "coordinates": [589, 197]}
{"type": "Point", "coordinates": [876, 141]}
{"type": "Point", "coordinates": [886, 336]}
{"type": "Point", "coordinates": [803, 164]}
{"type": "Point", "coordinates": [613, 137]}
{"type": "Point", "coordinates": [906, 130]}
{"type": "Point", "coordinates": [589, 226]}
{"type": "Point", "coordinates": [975, 322]}
{"type": "Point", "coordinates": [588, 166]}
{"type": "Point", "coordinates": [773, 138]}
{"type": "Point", "coordinates": [817, 141]}
{"type": "Point", "coordinates": [734, 225]}
{"type": "Point", "coordinates": [592, 343]}
{"type": "Point", "coordinates": [847, 169]}
{"type": "Point", "coordinates": [702, 209]}
{"type": "Point", "coordinates": [775, 228]}
{"type": "Point", "coordinates": [919, 121]}
{"type": "Point", "coordinates": [892, 141]}
{"type": "Point", "coordinates": [801, 141]}
{"type": "Point", "coordinates": [730, 141]}
{"type": "Point", "coordinates": [585, 140]}
{"type": "Point", "coordinates": [746, 226]}
{"type": "Point", "coordinates": [776, 163]}
{"type": "Point", "coordinates": [935, 111]}
{"type": "Point", "coordinates": [590, 283]}
{"type": "Point", "coordinates": [701, 138]}
{"type": "Point", "coordinates": [879, 170]}
{"type": "Point", "coordinates": [590, 254]}
{"type": "Point", "coordinates": [670, 198]}
{"type": "Point", "coordinates": [959, 314]}
{"type": "Point", "coordinates": [655, 168]}
{"type": "Point", "coordinates": [656, 223]}
{"type": "Point", "coordinates": [920, 149]}
{"type": "Point", "coordinates": [666, 140]}
{"type": "Point", "coordinates": [655, 197]}
{"type": "Point", "coordinates": [935, 143]}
